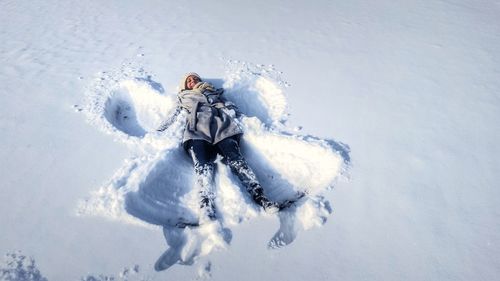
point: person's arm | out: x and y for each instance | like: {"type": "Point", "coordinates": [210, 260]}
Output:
{"type": "Point", "coordinates": [170, 120]}
{"type": "Point", "coordinates": [230, 108]}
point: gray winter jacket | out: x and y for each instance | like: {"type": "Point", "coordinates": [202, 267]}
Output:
{"type": "Point", "coordinates": [208, 115]}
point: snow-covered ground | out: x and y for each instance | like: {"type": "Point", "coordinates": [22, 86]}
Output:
{"type": "Point", "coordinates": [394, 104]}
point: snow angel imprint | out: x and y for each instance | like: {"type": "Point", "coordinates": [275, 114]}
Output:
{"type": "Point", "coordinates": [199, 128]}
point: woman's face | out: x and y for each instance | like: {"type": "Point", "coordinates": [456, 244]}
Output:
{"type": "Point", "coordinates": [191, 81]}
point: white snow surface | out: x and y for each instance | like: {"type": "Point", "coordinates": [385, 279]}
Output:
{"type": "Point", "coordinates": [385, 112]}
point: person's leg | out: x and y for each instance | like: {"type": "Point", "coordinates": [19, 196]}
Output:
{"type": "Point", "coordinates": [230, 149]}
{"type": "Point", "coordinates": [203, 156]}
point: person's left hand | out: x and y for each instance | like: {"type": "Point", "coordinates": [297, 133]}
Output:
{"type": "Point", "coordinates": [231, 112]}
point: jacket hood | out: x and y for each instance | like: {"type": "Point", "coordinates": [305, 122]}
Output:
{"type": "Point", "coordinates": [182, 84]}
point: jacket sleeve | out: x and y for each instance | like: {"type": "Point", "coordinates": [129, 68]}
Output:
{"type": "Point", "coordinates": [230, 106]}
{"type": "Point", "coordinates": [170, 120]}
{"type": "Point", "coordinates": [227, 104]}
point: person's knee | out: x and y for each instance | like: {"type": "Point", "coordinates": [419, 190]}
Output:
{"type": "Point", "coordinates": [230, 150]}
{"type": "Point", "coordinates": [201, 152]}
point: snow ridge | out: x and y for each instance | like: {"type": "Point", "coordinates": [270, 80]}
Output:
{"type": "Point", "coordinates": [155, 185]}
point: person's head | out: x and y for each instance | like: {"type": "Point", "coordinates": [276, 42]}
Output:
{"type": "Point", "coordinates": [189, 81]}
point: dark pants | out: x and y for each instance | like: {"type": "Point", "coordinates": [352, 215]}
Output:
{"type": "Point", "coordinates": [204, 154]}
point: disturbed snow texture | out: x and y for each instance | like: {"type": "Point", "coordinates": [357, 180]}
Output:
{"type": "Point", "coordinates": [156, 185]}
{"type": "Point", "coordinates": [18, 267]}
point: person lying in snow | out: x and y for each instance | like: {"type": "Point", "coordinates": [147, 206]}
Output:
{"type": "Point", "coordinates": [210, 130]}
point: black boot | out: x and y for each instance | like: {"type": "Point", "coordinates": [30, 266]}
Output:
{"type": "Point", "coordinates": [258, 196]}
{"type": "Point", "coordinates": [252, 185]}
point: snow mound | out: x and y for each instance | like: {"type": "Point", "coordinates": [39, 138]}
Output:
{"type": "Point", "coordinates": [257, 90]}
{"type": "Point", "coordinates": [136, 108]}
{"type": "Point", "coordinates": [299, 162]}
{"type": "Point", "coordinates": [18, 267]}
{"type": "Point", "coordinates": [156, 185]}
{"type": "Point", "coordinates": [127, 104]}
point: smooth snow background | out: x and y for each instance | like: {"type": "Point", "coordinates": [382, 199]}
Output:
{"type": "Point", "coordinates": [412, 87]}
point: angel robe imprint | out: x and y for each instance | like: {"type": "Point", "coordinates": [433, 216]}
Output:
{"type": "Point", "coordinates": [158, 185]}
